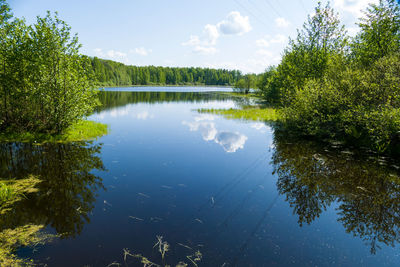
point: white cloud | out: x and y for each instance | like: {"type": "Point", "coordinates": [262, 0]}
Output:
{"type": "Point", "coordinates": [234, 24]}
{"type": "Point", "coordinates": [211, 34]}
{"type": "Point", "coordinates": [282, 22]}
{"type": "Point", "coordinates": [278, 39]}
{"type": "Point", "coordinates": [354, 7]}
{"type": "Point", "coordinates": [111, 54]}
{"type": "Point", "coordinates": [144, 115]}
{"type": "Point", "coordinates": [262, 43]}
{"type": "Point", "coordinates": [204, 50]}
{"type": "Point", "coordinates": [205, 44]}
{"type": "Point", "coordinates": [231, 141]}
{"type": "Point", "coordinates": [264, 52]}
{"type": "Point", "coordinates": [141, 51]}
{"type": "Point", "coordinates": [193, 40]}
{"type": "Point", "coordinates": [267, 40]}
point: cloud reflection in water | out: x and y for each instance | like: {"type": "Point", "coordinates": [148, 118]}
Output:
{"type": "Point", "coordinates": [230, 141]}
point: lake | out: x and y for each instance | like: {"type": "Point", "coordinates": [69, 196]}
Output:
{"type": "Point", "coordinates": [220, 192]}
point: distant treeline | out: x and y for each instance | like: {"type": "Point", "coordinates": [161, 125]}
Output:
{"type": "Point", "coordinates": [111, 73]}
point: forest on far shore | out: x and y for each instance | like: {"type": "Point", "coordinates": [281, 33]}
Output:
{"type": "Point", "coordinates": [111, 73]}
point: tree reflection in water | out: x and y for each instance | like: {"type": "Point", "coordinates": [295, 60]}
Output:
{"type": "Point", "coordinates": [367, 191]}
{"type": "Point", "coordinates": [67, 192]}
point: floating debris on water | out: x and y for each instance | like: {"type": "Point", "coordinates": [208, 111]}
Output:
{"type": "Point", "coordinates": [136, 218]}
{"type": "Point", "coordinates": [114, 264]}
{"type": "Point", "coordinates": [195, 257]}
{"type": "Point", "coordinates": [185, 246]}
{"type": "Point", "coordinates": [143, 195]}
{"type": "Point", "coordinates": [112, 186]}
{"type": "Point", "coordinates": [261, 186]}
{"type": "Point", "coordinates": [155, 219]}
{"type": "Point", "coordinates": [105, 202]}
{"type": "Point", "coordinates": [212, 200]}
{"type": "Point", "coordinates": [198, 220]}
{"type": "Point", "coordinates": [163, 246]}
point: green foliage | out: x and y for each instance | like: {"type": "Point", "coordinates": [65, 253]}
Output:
{"type": "Point", "coordinates": [245, 83]}
{"type": "Point", "coordinates": [380, 33]}
{"type": "Point", "coordinates": [307, 57]}
{"type": "Point", "coordinates": [250, 113]}
{"type": "Point", "coordinates": [44, 82]}
{"type": "Point", "coordinates": [111, 73]}
{"type": "Point", "coordinates": [268, 85]}
{"type": "Point", "coordinates": [6, 193]}
{"type": "Point", "coordinates": [79, 131]}
{"type": "Point", "coordinates": [330, 89]}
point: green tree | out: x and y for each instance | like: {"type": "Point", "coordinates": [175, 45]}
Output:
{"type": "Point", "coordinates": [380, 33]}
{"type": "Point", "coordinates": [266, 83]}
{"type": "Point", "coordinates": [64, 74]}
{"type": "Point", "coordinates": [245, 84]}
{"type": "Point", "coordinates": [307, 56]}
{"type": "Point", "coordinates": [44, 81]}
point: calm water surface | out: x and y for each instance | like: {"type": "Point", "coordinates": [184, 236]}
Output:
{"type": "Point", "coordinates": [241, 193]}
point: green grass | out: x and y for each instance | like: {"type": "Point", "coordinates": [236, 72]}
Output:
{"type": "Point", "coordinates": [249, 113]}
{"type": "Point", "coordinates": [237, 94]}
{"type": "Point", "coordinates": [80, 131]}
{"type": "Point", "coordinates": [6, 193]}
{"type": "Point", "coordinates": [12, 191]}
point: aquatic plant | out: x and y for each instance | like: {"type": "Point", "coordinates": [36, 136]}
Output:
{"type": "Point", "coordinates": [163, 248]}
{"type": "Point", "coordinates": [12, 239]}
{"type": "Point", "coordinates": [11, 192]}
{"type": "Point", "coordinates": [6, 193]}
{"type": "Point", "coordinates": [253, 113]}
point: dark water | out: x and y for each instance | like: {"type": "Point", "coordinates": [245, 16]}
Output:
{"type": "Point", "coordinates": [241, 193]}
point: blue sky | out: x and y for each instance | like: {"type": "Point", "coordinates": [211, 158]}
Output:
{"type": "Point", "coordinates": [248, 35]}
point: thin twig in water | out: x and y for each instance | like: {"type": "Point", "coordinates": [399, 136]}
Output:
{"type": "Point", "coordinates": [114, 264]}
{"type": "Point", "coordinates": [183, 245]}
{"type": "Point", "coordinates": [144, 260]}
{"type": "Point", "coordinates": [136, 218]}
{"type": "Point", "coordinates": [195, 257]}
{"type": "Point", "coordinates": [163, 247]}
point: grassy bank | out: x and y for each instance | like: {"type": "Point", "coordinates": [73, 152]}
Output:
{"type": "Point", "coordinates": [236, 94]}
{"type": "Point", "coordinates": [80, 131]}
{"type": "Point", "coordinates": [249, 113]}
